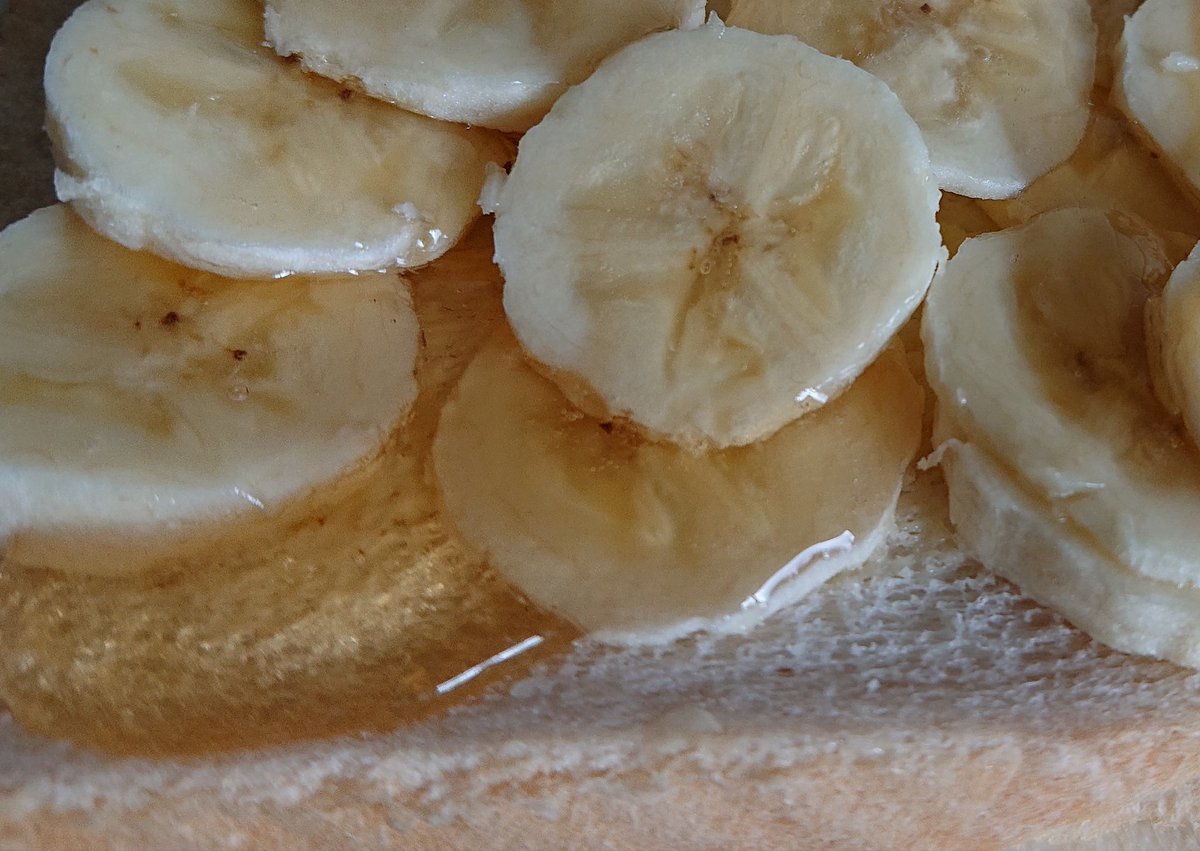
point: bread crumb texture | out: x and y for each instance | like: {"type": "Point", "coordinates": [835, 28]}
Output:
{"type": "Point", "coordinates": [888, 711]}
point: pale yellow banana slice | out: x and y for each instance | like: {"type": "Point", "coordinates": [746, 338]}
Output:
{"type": "Point", "coordinates": [143, 402]}
{"type": "Point", "coordinates": [1176, 319]}
{"type": "Point", "coordinates": [1037, 352]}
{"type": "Point", "coordinates": [1158, 83]}
{"type": "Point", "coordinates": [1017, 533]}
{"type": "Point", "coordinates": [1000, 88]}
{"type": "Point", "coordinates": [642, 541]}
{"type": "Point", "coordinates": [359, 614]}
{"type": "Point", "coordinates": [176, 131]}
{"type": "Point", "coordinates": [726, 250]}
{"type": "Point", "coordinates": [494, 63]}
{"type": "Point", "coordinates": [1110, 170]}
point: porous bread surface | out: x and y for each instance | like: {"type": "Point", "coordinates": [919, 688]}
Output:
{"type": "Point", "coordinates": [927, 705]}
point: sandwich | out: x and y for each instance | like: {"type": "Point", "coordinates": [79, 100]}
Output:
{"type": "Point", "coordinates": [641, 586]}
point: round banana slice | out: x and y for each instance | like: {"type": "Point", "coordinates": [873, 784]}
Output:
{"type": "Point", "coordinates": [176, 131]}
{"type": "Point", "coordinates": [494, 63]}
{"type": "Point", "coordinates": [1158, 83]}
{"type": "Point", "coordinates": [640, 541]}
{"type": "Point", "coordinates": [360, 614]}
{"type": "Point", "coordinates": [1036, 349]}
{"type": "Point", "coordinates": [724, 251]}
{"type": "Point", "coordinates": [144, 402]}
{"type": "Point", "coordinates": [1000, 89]}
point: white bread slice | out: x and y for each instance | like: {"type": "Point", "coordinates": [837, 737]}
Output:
{"type": "Point", "coordinates": [927, 706]}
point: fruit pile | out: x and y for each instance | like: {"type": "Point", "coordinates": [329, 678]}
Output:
{"type": "Point", "coordinates": [694, 406]}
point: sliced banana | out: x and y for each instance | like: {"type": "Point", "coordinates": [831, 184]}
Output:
{"type": "Point", "coordinates": [1018, 534]}
{"type": "Point", "coordinates": [1158, 84]}
{"type": "Point", "coordinates": [494, 63]}
{"type": "Point", "coordinates": [641, 541]}
{"type": "Point", "coordinates": [175, 131]}
{"type": "Point", "coordinates": [1037, 352]}
{"type": "Point", "coordinates": [1000, 89]}
{"type": "Point", "coordinates": [726, 250]}
{"type": "Point", "coordinates": [359, 614]}
{"type": "Point", "coordinates": [145, 403]}
{"type": "Point", "coordinates": [1176, 318]}
{"type": "Point", "coordinates": [1110, 170]}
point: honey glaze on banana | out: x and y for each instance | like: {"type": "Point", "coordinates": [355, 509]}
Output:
{"type": "Point", "coordinates": [358, 616]}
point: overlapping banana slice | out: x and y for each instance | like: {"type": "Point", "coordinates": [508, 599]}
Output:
{"type": "Point", "coordinates": [1111, 169]}
{"type": "Point", "coordinates": [727, 250]}
{"type": "Point", "coordinates": [1176, 319]}
{"type": "Point", "coordinates": [146, 404]}
{"type": "Point", "coordinates": [493, 63]}
{"type": "Point", "coordinates": [1000, 89]}
{"type": "Point", "coordinates": [1066, 473]}
{"type": "Point", "coordinates": [641, 541]}
{"type": "Point", "coordinates": [176, 131]}
{"type": "Point", "coordinates": [1158, 82]}
{"type": "Point", "coordinates": [358, 614]}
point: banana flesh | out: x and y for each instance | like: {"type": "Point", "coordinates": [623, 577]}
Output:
{"type": "Point", "coordinates": [639, 541]}
{"type": "Point", "coordinates": [1037, 349]}
{"type": "Point", "coordinates": [1000, 89]}
{"type": "Point", "coordinates": [1111, 170]}
{"type": "Point", "coordinates": [1176, 317]}
{"type": "Point", "coordinates": [175, 131]}
{"type": "Point", "coordinates": [726, 254]}
{"type": "Point", "coordinates": [1015, 533]}
{"type": "Point", "coordinates": [146, 404]}
{"type": "Point", "coordinates": [1158, 81]}
{"type": "Point", "coordinates": [490, 63]}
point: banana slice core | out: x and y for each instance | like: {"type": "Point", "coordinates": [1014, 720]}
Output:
{"type": "Point", "coordinates": [145, 402]}
{"type": "Point", "coordinates": [716, 233]}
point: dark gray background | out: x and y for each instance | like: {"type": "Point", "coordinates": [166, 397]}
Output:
{"type": "Point", "coordinates": [26, 28]}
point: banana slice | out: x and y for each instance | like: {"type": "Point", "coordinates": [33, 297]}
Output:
{"type": "Point", "coordinates": [176, 131]}
{"type": "Point", "coordinates": [145, 402]}
{"type": "Point", "coordinates": [1159, 79]}
{"type": "Point", "coordinates": [642, 541]}
{"type": "Point", "coordinates": [1176, 318]}
{"type": "Point", "coordinates": [1110, 170]}
{"type": "Point", "coordinates": [1036, 350]}
{"type": "Point", "coordinates": [361, 614]}
{"type": "Point", "coordinates": [1017, 533]}
{"type": "Point", "coordinates": [494, 63]}
{"type": "Point", "coordinates": [1000, 89]}
{"type": "Point", "coordinates": [727, 250]}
